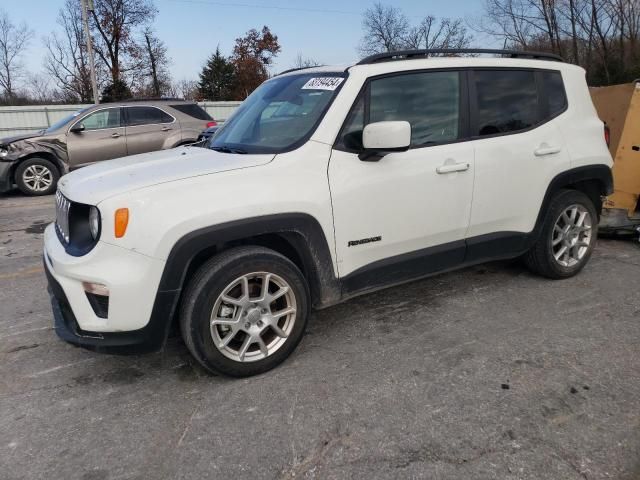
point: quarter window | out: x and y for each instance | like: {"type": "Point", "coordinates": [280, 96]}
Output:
{"type": "Point", "coordinates": [507, 101]}
{"type": "Point", "coordinates": [146, 116]}
{"type": "Point", "coordinates": [554, 92]}
{"type": "Point", "coordinates": [107, 118]}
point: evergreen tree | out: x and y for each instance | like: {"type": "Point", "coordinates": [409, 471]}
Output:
{"type": "Point", "coordinates": [115, 92]}
{"type": "Point", "coordinates": [217, 78]}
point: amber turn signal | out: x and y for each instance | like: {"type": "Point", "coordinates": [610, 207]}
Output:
{"type": "Point", "coordinates": [121, 222]}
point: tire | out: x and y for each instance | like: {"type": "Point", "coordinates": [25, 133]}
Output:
{"type": "Point", "coordinates": [218, 287]}
{"type": "Point", "coordinates": [37, 176]}
{"type": "Point", "coordinates": [547, 257]}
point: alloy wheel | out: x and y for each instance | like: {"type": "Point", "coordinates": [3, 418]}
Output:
{"type": "Point", "coordinates": [253, 317]}
{"type": "Point", "coordinates": [571, 236]}
{"type": "Point", "coordinates": [37, 178]}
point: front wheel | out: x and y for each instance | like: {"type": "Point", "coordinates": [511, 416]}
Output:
{"type": "Point", "coordinates": [567, 238]}
{"type": "Point", "coordinates": [37, 176]}
{"type": "Point", "coordinates": [245, 311]}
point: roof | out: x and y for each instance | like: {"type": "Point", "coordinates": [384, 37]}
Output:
{"type": "Point", "coordinates": [442, 58]}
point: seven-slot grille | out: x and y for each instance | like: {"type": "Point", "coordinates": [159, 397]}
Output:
{"type": "Point", "coordinates": [62, 216]}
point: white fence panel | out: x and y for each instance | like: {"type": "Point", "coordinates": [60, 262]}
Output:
{"type": "Point", "coordinates": [220, 111]}
{"type": "Point", "coordinates": [25, 119]}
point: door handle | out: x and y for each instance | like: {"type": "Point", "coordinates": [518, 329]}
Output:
{"type": "Point", "coordinates": [115, 135]}
{"type": "Point", "coordinates": [166, 129]}
{"type": "Point", "coordinates": [452, 167]}
{"type": "Point", "coordinates": [546, 149]}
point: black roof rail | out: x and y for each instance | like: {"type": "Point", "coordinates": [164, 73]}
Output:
{"type": "Point", "coordinates": [412, 54]}
{"type": "Point", "coordinates": [297, 69]}
{"type": "Point", "coordinates": [153, 99]}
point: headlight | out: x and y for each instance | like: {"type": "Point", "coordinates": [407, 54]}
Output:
{"type": "Point", "coordinates": [94, 222]}
{"type": "Point", "coordinates": [3, 152]}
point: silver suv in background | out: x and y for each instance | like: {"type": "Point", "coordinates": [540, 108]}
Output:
{"type": "Point", "coordinates": [34, 162]}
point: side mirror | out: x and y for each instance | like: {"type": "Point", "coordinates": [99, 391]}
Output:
{"type": "Point", "coordinates": [381, 138]}
{"type": "Point", "coordinates": [77, 128]}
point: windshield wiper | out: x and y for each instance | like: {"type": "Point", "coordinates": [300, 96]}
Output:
{"type": "Point", "coordinates": [225, 149]}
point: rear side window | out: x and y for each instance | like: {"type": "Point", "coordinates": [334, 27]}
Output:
{"type": "Point", "coordinates": [554, 92]}
{"type": "Point", "coordinates": [146, 116]}
{"type": "Point", "coordinates": [507, 101]}
{"type": "Point", "coordinates": [192, 110]}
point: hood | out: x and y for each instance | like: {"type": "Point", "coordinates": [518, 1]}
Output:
{"type": "Point", "coordinates": [106, 179]}
{"type": "Point", "coordinates": [24, 136]}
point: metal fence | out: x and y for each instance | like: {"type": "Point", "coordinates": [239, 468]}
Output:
{"type": "Point", "coordinates": [17, 120]}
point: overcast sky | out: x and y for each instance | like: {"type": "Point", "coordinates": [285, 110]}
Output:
{"type": "Point", "coordinates": [328, 31]}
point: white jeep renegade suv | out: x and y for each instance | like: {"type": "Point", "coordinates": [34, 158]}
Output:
{"type": "Point", "coordinates": [328, 183]}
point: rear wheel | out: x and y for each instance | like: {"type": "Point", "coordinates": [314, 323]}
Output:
{"type": "Point", "coordinates": [245, 311]}
{"type": "Point", "coordinates": [37, 176]}
{"type": "Point", "coordinates": [568, 236]}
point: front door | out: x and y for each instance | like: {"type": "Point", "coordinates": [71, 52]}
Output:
{"type": "Point", "coordinates": [148, 129]}
{"type": "Point", "coordinates": [405, 215]}
{"type": "Point", "coordinates": [101, 139]}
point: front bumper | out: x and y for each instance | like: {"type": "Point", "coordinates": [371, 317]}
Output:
{"type": "Point", "coordinates": [139, 317]}
{"type": "Point", "coordinates": [6, 183]}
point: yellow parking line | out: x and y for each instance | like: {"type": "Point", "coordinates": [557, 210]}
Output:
{"type": "Point", "coordinates": [21, 273]}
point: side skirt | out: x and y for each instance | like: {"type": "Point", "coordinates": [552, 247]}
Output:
{"type": "Point", "coordinates": [435, 260]}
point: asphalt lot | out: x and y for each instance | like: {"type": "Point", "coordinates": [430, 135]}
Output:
{"type": "Point", "coordinates": [489, 372]}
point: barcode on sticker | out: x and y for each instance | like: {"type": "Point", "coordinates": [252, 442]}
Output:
{"type": "Point", "coordinates": [323, 83]}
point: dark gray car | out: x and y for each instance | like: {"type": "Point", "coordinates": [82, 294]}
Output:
{"type": "Point", "coordinates": [35, 162]}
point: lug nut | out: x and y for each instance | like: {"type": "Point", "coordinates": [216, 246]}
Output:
{"type": "Point", "coordinates": [247, 325]}
{"type": "Point", "coordinates": [260, 323]}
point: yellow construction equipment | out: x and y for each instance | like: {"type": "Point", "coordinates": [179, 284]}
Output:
{"type": "Point", "coordinates": [619, 107]}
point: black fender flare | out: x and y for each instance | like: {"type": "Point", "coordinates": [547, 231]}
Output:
{"type": "Point", "coordinates": [301, 231]}
{"type": "Point", "coordinates": [493, 246]}
{"type": "Point", "coordinates": [600, 173]}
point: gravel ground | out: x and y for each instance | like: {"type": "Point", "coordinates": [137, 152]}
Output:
{"type": "Point", "coordinates": [489, 372]}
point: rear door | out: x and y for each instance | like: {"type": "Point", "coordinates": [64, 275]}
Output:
{"type": "Point", "coordinates": [519, 149]}
{"type": "Point", "coordinates": [148, 129]}
{"type": "Point", "coordinates": [102, 138]}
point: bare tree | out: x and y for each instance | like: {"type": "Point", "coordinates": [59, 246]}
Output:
{"type": "Point", "coordinates": [387, 29]}
{"type": "Point", "coordinates": [600, 35]}
{"type": "Point", "coordinates": [39, 88]}
{"type": "Point", "coordinates": [187, 89]}
{"type": "Point", "coordinates": [14, 40]}
{"type": "Point", "coordinates": [432, 33]}
{"type": "Point", "coordinates": [67, 59]}
{"type": "Point", "coordinates": [384, 29]}
{"type": "Point", "coordinates": [155, 64]}
{"type": "Point", "coordinates": [115, 23]}
{"type": "Point", "coordinates": [304, 62]}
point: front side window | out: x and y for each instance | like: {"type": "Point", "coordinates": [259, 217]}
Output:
{"type": "Point", "coordinates": [107, 118]}
{"type": "Point", "coordinates": [507, 101]}
{"type": "Point", "coordinates": [429, 101]}
{"type": "Point", "coordinates": [69, 118]}
{"type": "Point", "coordinates": [278, 115]}
{"type": "Point", "coordinates": [146, 116]}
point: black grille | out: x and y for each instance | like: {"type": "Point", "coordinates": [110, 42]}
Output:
{"type": "Point", "coordinates": [63, 206]}
{"type": "Point", "coordinates": [99, 303]}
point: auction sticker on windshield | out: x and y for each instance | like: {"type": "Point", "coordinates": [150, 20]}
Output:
{"type": "Point", "coordinates": [323, 83]}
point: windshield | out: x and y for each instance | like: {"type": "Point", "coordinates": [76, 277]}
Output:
{"type": "Point", "coordinates": [65, 120]}
{"type": "Point", "coordinates": [279, 115]}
